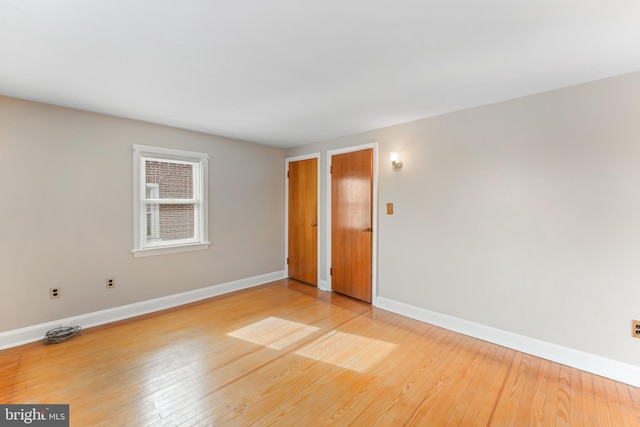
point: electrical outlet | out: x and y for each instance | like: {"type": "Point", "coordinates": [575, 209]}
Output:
{"type": "Point", "coordinates": [635, 328]}
{"type": "Point", "coordinates": [54, 293]}
{"type": "Point", "coordinates": [111, 283]}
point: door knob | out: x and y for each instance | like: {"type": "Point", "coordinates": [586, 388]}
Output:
{"type": "Point", "coordinates": [366, 229]}
{"type": "Point", "coordinates": [313, 224]}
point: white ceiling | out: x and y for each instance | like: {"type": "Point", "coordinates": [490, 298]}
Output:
{"type": "Point", "coordinates": [291, 72]}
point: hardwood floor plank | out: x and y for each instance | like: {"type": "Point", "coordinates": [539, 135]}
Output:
{"type": "Point", "coordinates": [437, 404]}
{"type": "Point", "coordinates": [411, 390]}
{"type": "Point", "coordinates": [289, 354]}
{"type": "Point", "coordinates": [551, 407]}
{"type": "Point", "coordinates": [508, 400]}
{"type": "Point", "coordinates": [8, 374]}
{"type": "Point", "coordinates": [475, 405]}
{"type": "Point", "coordinates": [580, 403]}
{"type": "Point", "coordinates": [539, 398]}
{"type": "Point", "coordinates": [614, 402]}
{"type": "Point", "coordinates": [367, 398]}
{"type": "Point", "coordinates": [635, 396]}
{"type": "Point", "coordinates": [527, 393]}
{"type": "Point", "coordinates": [602, 406]}
{"type": "Point", "coordinates": [374, 388]}
{"type": "Point", "coordinates": [587, 397]}
{"type": "Point", "coordinates": [563, 409]}
{"type": "Point", "coordinates": [632, 416]}
{"type": "Point", "coordinates": [468, 385]}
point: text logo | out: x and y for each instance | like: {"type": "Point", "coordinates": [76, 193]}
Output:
{"type": "Point", "coordinates": [34, 415]}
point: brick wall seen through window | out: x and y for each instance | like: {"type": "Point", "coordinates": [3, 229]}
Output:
{"type": "Point", "coordinates": [174, 181]}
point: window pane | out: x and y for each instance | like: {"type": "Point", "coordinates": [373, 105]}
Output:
{"type": "Point", "coordinates": [170, 222]}
{"type": "Point", "coordinates": [174, 180]}
{"type": "Point", "coordinates": [153, 222]}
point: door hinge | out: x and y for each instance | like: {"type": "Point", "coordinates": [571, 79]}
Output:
{"type": "Point", "coordinates": [331, 271]}
{"type": "Point", "coordinates": [287, 174]}
{"type": "Point", "coordinates": [287, 260]}
{"type": "Point", "coordinates": [331, 169]}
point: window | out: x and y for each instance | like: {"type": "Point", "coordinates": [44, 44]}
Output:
{"type": "Point", "coordinates": [170, 200]}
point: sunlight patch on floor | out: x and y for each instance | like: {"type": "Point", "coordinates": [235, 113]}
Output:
{"type": "Point", "coordinates": [348, 351]}
{"type": "Point", "coordinates": [274, 333]}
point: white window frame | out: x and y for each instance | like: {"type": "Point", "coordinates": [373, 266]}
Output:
{"type": "Point", "coordinates": [145, 247]}
{"type": "Point", "coordinates": [153, 217]}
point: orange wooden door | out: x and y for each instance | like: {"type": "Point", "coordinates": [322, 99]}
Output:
{"type": "Point", "coordinates": [303, 221]}
{"type": "Point", "coordinates": [351, 223]}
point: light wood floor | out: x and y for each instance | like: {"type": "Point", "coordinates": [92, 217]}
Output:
{"type": "Point", "coordinates": [286, 354]}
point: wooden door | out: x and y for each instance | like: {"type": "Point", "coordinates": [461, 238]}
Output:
{"type": "Point", "coordinates": [351, 223]}
{"type": "Point", "coordinates": [303, 221]}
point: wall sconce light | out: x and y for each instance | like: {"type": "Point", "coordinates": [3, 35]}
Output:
{"type": "Point", "coordinates": [396, 163]}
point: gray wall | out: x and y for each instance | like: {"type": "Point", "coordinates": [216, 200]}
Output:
{"type": "Point", "coordinates": [522, 215]}
{"type": "Point", "coordinates": [66, 216]}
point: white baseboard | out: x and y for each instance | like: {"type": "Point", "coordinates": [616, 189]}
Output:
{"type": "Point", "coordinates": [36, 332]}
{"type": "Point", "coordinates": [609, 368]}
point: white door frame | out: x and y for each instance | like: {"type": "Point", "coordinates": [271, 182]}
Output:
{"type": "Point", "coordinates": [288, 160]}
{"type": "Point", "coordinates": [374, 213]}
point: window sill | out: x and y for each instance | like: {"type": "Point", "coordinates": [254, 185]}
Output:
{"type": "Point", "coordinates": [170, 249]}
